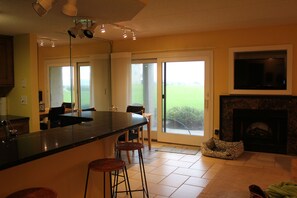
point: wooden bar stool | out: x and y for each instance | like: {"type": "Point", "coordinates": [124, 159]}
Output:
{"type": "Point", "coordinates": [132, 146]}
{"type": "Point", "coordinates": [108, 165]}
{"type": "Point", "coordinates": [36, 192]}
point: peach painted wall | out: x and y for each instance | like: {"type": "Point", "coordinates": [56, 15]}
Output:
{"type": "Point", "coordinates": [219, 42]}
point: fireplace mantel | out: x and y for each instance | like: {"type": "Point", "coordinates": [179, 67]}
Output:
{"type": "Point", "coordinates": [265, 102]}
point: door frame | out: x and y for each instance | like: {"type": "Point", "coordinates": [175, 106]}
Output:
{"type": "Point", "coordinates": [206, 56]}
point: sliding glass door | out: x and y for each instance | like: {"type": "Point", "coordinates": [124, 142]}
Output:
{"type": "Point", "coordinates": [184, 98]}
{"type": "Point", "coordinates": [84, 86]}
{"type": "Point", "coordinates": [61, 85]}
{"type": "Point", "coordinates": [71, 84]}
{"type": "Point", "coordinates": [177, 91]}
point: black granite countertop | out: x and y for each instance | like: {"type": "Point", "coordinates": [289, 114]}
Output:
{"type": "Point", "coordinates": [12, 117]}
{"type": "Point", "coordinates": [96, 125]}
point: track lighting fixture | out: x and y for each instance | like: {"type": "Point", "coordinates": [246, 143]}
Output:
{"type": "Point", "coordinates": [89, 32]}
{"type": "Point", "coordinates": [41, 43]}
{"type": "Point", "coordinates": [125, 30]}
{"type": "Point", "coordinates": [42, 6]}
{"type": "Point", "coordinates": [73, 32]}
{"type": "Point", "coordinates": [86, 28]}
{"type": "Point", "coordinates": [70, 8]}
{"type": "Point", "coordinates": [53, 44]}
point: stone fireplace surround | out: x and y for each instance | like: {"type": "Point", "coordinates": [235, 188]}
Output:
{"type": "Point", "coordinates": [261, 102]}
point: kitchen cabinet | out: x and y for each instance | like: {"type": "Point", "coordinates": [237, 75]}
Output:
{"type": "Point", "coordinates": [6, 65]}
{"type": "Point", "coordinates": [21, 124]}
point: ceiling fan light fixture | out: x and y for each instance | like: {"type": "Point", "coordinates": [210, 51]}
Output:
{"type": "Point", "coordinates": [89, 32]}
{"type": "Point", "coordinates": [73, 31]}
{"type": "Point", "coordinates": [41, 7]}
{"type": "Point", "coordinates": [70, 8]}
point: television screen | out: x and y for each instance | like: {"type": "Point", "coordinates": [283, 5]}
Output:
{"type": "Point", "coordinates": [261, 70]}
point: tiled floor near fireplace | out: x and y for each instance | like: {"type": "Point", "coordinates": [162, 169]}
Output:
{"type": "Point", "coordinates": [179, 175]}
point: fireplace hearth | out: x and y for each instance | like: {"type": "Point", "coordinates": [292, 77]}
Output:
{"type": "Point", "coordinates": [264, 123]}
{"type": "Point", "coordinates": [261, 130]}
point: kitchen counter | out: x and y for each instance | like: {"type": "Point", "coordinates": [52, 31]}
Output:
{"type": "Point", "coordinates": [20, 123]}
{"type": "Point", "coordinates": [58, 158]}
{"type": "Point", "coordinates": [12, 117]}
{"type": "Point", "coordinates": [96, 125]}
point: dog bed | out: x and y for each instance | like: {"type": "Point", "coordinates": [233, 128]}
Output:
{"type": "Point", "coordinates": [222, 149]}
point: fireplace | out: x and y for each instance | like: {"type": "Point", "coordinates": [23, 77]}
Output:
{"type": "Point", "coordinates": [265, 123]}
{"type": "Point", "coordinates": [261, 130]}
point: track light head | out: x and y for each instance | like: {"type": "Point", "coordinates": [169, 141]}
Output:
{"type": "Point", "coordinates": [70, 8]}
{"type": "Point", "coordinates": [102, 28]}
{"type": "Point", "coordinates": [133, 36]}
{"type": "Point", "coordinates": [73, 32]}
{"type": "Point", "coordinates": [42, 6]}
{"type": "Point", "coordinates": [125, 34]}
{"type": "Point", "coordinates": [41, 43]}
{"type": "Point", "coordinates": [89, 32]}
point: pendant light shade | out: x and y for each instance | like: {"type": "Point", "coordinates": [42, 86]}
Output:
{"type": "Point", "coordinates": [70, 8]}
{"type": "Point", "coordinates": [41, 7]}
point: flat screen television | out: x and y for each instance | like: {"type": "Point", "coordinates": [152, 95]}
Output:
{"type": "Point", "coordinates": [260, 70]}
{"type": "Point", "coordinates": [265, 70]}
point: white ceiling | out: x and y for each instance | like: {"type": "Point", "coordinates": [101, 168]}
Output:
{"type": "Point", "coordinates": [153, 18]}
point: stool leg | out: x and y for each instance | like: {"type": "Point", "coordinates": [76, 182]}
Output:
{"type": "Point", "coordinates": [104, 184]}
{"type": "Point", "coordinates": [115, 186]}
{"type": "Point", "coordinates": [127, 180]}
{"type": "Point", "coordinates": [119, 156]}
{"type": "Point", "coordinates": [115, 181]}
{"type": "Point", "coordinates": [142, 173]}
{"type": "Point", "coordinates": [110, 185]}
{"type": "Point", "coordinates": [87, 180]}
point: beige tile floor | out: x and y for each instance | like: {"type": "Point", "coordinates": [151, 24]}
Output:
{"type": "Point", "coordinates": [177, 175]}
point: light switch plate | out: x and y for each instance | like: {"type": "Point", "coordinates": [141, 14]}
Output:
{"type": "Point", "coordinates": [23, 99]}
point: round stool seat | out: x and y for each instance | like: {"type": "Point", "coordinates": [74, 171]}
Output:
{"type": "Point", "coordinates": [129, 146]}
{"type": "Point", "coordinates": [34, 193]}
{"type": "Point", "coordinates": [109, 165]}
{"type": "Point", "coordinates": [106, 165]}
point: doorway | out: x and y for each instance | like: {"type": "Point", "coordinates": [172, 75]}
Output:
{"type": "Point", "coordinates": [184, 98]}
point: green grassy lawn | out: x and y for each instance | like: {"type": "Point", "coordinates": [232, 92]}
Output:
{"type": "Point", "coordinates": [85, 98]}
{"type": "Point", "coordinates": [177, 96]}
